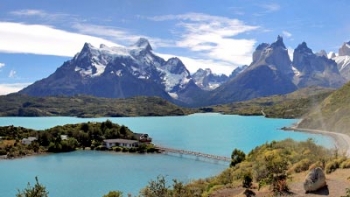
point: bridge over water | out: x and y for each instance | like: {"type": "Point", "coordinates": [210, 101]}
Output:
{"type": "Point", "coordinates": [193, 153]}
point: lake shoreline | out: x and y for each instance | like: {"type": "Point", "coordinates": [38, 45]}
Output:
{"type": "Point", "coordinates": [4, 157]}
{"type": "Point", "coordinates": [341, 140]}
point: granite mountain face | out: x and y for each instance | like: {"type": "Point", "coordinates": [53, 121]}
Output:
{"type": "Point", "coordinates": [270, 73]}
{"type": "Point", "coordinates": [116, 72]}
{"type": "Point", "coordinates": [343, 60]}
{"type": "Point", "coordinates": [207, 80]}
{"type": "Point", "coordinates": [315, 69]}
{"type": "Point", "coordinates": [121, 72]}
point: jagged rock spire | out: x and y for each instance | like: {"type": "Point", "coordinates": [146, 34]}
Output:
{"type": "Point", "coordinates": [279, 42]}
{"type": "Point", "coordinates": [144, 44]}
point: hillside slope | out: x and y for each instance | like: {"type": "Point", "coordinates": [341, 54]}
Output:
{"type": "Point", "coordinates": [333, 114]}
{"type": "Point", "coordinates": [292, 105]}
{"type": "Point", "coordinates": [87, 106]}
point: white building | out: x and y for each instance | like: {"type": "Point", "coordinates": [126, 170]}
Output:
{"type": "Point", "coordinates": [28, 140]}
{"type": "Point", "coordinates": [109, 143]}
{"type": "Point", "coordinates": [64, 137]}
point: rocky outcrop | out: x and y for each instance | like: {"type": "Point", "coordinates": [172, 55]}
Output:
{"type": "Point", "coordinates": [345, 49]}
{"type": "Point", "coordinates": [205, 79]}
{"type": "Point", "coordinates": [270, 73]}
{"type": "Point", "coordinates": [343, 60]}
{"type": "Point", "coordinates": [314, 180]}
{"type": "Point", "coordinates": [238, 71]}
{"type": "Point", "coordinates": [315, 70]}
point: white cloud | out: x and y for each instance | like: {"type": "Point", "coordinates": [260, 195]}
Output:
{"type": "Point", "coordinates": [113, 33]}
{"type": "Point", "coordinates": [44, 40]}
{"type": "Point", "coordinates": [286, 34]}
{"type": "Point", "coordinates": [213, 37]}
{"type": "Point", "coordinates": [2, 65]}
{"type": "Point", "coordinates": [270, 7]}
{"type": "Point", "coordinates": [119, 35]}
{"type": "Point", "coordinates": [12, 74]}
{"type": "Point", "coordinates": [29, 12]}
{"type": "Point", "coordinates": [42, 15]}
{"type": "Point", "coordinates": [12, 87]}
{"type": "Point", "coordinates": [210, 38]}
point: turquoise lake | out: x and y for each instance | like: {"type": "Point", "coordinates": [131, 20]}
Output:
{"type": "Point", "coordinates": [93, 173]}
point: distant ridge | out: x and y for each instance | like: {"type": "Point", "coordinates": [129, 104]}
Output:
{"type": "Point", "coordinates": [124, 72]}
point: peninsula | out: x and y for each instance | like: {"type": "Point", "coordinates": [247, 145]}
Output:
{"type": "Point", "coordinates": [18, 141]}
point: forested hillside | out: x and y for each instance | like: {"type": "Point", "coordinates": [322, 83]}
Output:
{"type": "Point", "coordinates": [87, 106]}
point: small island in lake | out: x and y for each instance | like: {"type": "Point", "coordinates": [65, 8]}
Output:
{"type": "Point", "coordinates": [18, 141]}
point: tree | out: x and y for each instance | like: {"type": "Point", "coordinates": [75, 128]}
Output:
{"type": "Point", "coordinates": [123, 130]}
{"type": "Point", "coordinates": [114, 194]}
{"type": "Point", "coordinates": [237, 157]}
{"type": "Point", "coordinates": [109, 124]}
{"type": "Point", "coordinates": [85, 127]}
{"type": "Point", "coordinates": [155, 188]}
{"type": "Point", "coordinates": [37, 191]}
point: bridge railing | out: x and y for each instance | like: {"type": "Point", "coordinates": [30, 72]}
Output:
{"type": "Point", "coordinates": [194, 153]}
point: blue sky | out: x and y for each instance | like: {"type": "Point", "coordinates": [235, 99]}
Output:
{"type": "Point", "coordinates": [36, 37]}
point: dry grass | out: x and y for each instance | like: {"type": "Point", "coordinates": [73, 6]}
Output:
{"type": "Point", "coordinates": [4, 143]}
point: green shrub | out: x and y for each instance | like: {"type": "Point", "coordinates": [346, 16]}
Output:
{"type": "Point", "coordinates": [317, 164]}
{"type": "Point", "coordinates": [114, 194]}
{"type": "Point", "coordinates": [151, 150]}
{"type": "Point", "coordinates": [132, 150]}
{"type": "Point", "coordinates": [247, 180]}
{"type": "Point", "coordinates": [117, 148]}
{"type": "Point", "coordinates": [331, 166]}
{"type": "Point", "coordinates": [301, 166]}
{"type": "Point", "coordinates": [38, 190]}
{"type": "Point", "coordinates": [3, 152]}
{"type": "Point", "coordinates": [345, 164]}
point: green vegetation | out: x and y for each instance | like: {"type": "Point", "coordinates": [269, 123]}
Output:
{"type": "Point", "coordinates": [37, 191]}
{"type": "Point", "coordinates": [78, 136]}
{"type": "Point", "coordinates": [293, 105]}
{"type": "Point", "coordinates": [114, 194]}
{"type": "Point", "coordinates": [271, 164]}
{"type": "Point", "coordinates": [87, 106]}
{"type": "Point", "coordinates": [332, 114]}
{"type": "Point", "coordinates": [237, 157]}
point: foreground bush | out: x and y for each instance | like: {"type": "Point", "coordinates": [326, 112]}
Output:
{"type": "Point", "coordinates": [37, 191]}
{"type": "Point", "coordinates": [271, 164]}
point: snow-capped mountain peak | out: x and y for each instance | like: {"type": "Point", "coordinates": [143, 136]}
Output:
{"type": "Point", "coordinates": [344, 49]}
{"type": "Point", "coordinates": [137, 59]}
{"type": "Point", "coordinates": [92, 61]}
{"type": "Point", "coordinates": [205, 79]}
{"type": "Point", "coordinates": [143, 43]}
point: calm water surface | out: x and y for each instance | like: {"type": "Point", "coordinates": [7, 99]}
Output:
{"type": "Point", "coordinates": [92, 173]}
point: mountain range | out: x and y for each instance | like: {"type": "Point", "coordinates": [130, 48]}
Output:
{"type": "Point", "coordinates": [122, 72]}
